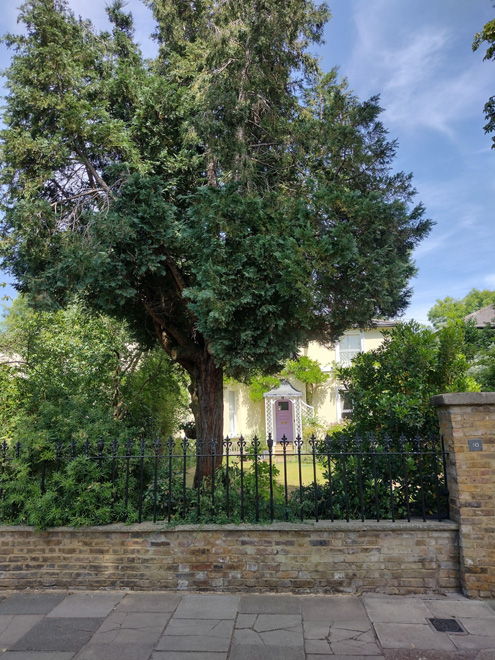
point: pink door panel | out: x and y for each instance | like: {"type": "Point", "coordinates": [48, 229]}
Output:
{"type": "Point", "coordinates": [283, 420]}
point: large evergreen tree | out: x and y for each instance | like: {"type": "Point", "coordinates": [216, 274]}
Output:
{"type": "Point", "coordinates": [226, 198]}
{"type": "Point", "coordinates": [487, 38]}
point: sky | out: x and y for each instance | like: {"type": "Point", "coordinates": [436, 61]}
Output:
{"type": "Point", "coordinates": [417, 55]}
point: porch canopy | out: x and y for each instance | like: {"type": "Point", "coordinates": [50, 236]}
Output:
{"type": "Point", "coordinates": [284, 391]}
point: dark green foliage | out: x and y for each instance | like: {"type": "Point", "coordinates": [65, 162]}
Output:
{"type": "Point", "coordinates": [390, 387]}
{"type": "Point", "coordinates": [86, 483]}
{"type": "Point", "coordinates": [39, 489]}
{"type": "Point", "coordinates": [390, 478]}
{"type": "Point", "coordinates": [487, 38]}
{"type": "Point", "coordinates": [228, 199]}
{"type": "Point", "coordinates": [184, 507]}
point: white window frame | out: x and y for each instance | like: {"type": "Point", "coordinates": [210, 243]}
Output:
{"type": "Point", "coordinates": [340, 409]}
{"type": "Point", "coordinates": [357, 333]}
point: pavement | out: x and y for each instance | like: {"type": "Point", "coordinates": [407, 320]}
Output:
{"type": "Point", "coordinates": [124, 625]}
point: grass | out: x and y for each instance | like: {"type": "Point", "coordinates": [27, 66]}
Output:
{"type": "Point", "coordinates": [307, 475]}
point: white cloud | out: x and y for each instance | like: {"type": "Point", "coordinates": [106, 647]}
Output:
{"type": "Point", "coordinates": [413, 68]}
{"type": "Point", "coordinates": [489, 280]}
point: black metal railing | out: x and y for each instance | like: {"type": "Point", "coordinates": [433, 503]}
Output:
{"type": "Point", "coordinates": [335, 478]}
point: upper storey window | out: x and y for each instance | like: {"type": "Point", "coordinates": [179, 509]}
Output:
{"type": "Point", "coordinates": [348, 347]}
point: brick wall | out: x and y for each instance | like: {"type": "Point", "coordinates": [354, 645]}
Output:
{"type": "Point", "coordinates": [471, 478]}
{"type": "Point", "coordinates": [392, 558]}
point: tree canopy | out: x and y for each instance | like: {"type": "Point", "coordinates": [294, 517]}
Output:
{"type": "Point", "coordinates": [456, 309]}
{"type": "Point", "coordinates": [479, 343]}
{"type": "Point", "coordinates": [487, 38]}
{"type": "Point", "coordinates": [228, 198]}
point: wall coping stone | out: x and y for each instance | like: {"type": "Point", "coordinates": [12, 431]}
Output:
{"type": "Point", "coordinates": [463, 399]}
{"type": "Point", "coordinates": [353, 526]}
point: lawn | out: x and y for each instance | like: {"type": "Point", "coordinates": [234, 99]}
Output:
{"type": "Point", "coordinates": [292, 473]}
{"type": "Point", "coordinates": [307, 474]}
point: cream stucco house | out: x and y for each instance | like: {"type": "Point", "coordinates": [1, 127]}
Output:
{"type": "Point", "coordinates": [283, 408]}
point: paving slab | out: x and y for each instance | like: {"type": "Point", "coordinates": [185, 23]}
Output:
{"type": "Point", "coordinates": [269, 604]}
{"type": "Point", "coordinates": [30, 603]}
{"type": "Point", "coordinates": [249, 652]}
{"type": "Point", "coordinates": [396, 610]}
{"type": "Point", "coordinates": [333, 608]}
{"type": "Point", "coordinates": [344, 641]}
{"type": "Point", "coordinates": [467, 609]}
{"type": "Point", "coordinates": [203, 635]}
{"type": "Point", "coordinates": [269, 629]}
{"type": "Point", "coordinates": [346, 657]}
{"type": "Point", "coordinates": [413, 636]}
{"type": "Point", "coordinates": [187, 655]}
{"type": "Point", "coordinates": [204, 606]}
{"type": "Point", "coordinates": [202, 627]}
{"type": "Point", "coordinates": [342, 638]}
{"type": "Point", "coordinates": [149, 602]}
{"type": "Point", "coordinates": [486, 655]}
{"type": "Point", "coordinates": [484, 627]}
{"type": "Point", "coordinates": [131, 628]}
{"type": "Point", "coordinates": [271, 622]}
{"type": "Point", "coordinates": [115, 652]}
{"type": "Point", "coordinates": [13, 627]}
{"type": "Point", "coordinates": [92, 605]}
{"type": "Point", "coordinates": [415, 654]}
{"type": "Point", "coordinates": [466, 642]}
{"type": "Point", "coordinates": [52, 634]}
{"type": "Point", "coordinates": [274, 638]}
{"type": "Point", "coordinates": [38, 655]}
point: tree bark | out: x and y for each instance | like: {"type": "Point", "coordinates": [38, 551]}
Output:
{"type": "Point", "coordinates": [207, 407]}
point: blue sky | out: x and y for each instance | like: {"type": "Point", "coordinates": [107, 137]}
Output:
{"type": "Point", "coordinates": [417, 55]}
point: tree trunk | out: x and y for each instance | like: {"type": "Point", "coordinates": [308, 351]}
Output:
{"type": "Point", "coordinates": [207, 407]}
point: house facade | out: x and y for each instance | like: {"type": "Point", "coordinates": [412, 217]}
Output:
{"type": "Point", "coordinates": [283, 409]}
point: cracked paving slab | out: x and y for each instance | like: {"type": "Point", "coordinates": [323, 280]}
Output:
{"type": "Point", "coordinates": [340, 638]}
{"type": "Point", "coordinates": [207, 635]}
{"type": "Point", "coordinates": [131, 627]}
{"type": "Point", "coordinates": [282, 630]}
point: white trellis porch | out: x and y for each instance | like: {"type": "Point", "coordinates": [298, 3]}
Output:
{"type": "Point", "coordinates": [284, 392]}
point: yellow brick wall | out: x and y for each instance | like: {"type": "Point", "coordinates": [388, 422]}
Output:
{"type": "Point", "coordinates": [471, 479]}
{"type": "Point", "coordinates": [354, 558]}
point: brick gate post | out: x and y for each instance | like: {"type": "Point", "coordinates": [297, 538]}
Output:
{"type": "Point", "coordinates": [467, 424]}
